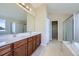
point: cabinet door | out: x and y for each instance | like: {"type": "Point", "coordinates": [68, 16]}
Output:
{"type": "Point", "coordinates": [34, 42]}
{"type": "Point", "coordinates": [7, 54]}
{"type": "Point", "coordinates": [20, 51]}
{"type": "Point", "coordinates": [26, 47]}
{"type": "Point", "coordinates": [37, 40]}
{"type": "Point", "coordinates": [30, 50]}
{"type": "Point", "coordinates": [5, 50]}
{"type": "Point", "coordinates": [39, 37]}
{"type": "Point", "coordinates": [26, 51]}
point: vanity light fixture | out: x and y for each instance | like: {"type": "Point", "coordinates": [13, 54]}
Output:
{"type": "Point", "coordinates": [30, 9]}
{"type": "Point", "coordinates": [25, 6]}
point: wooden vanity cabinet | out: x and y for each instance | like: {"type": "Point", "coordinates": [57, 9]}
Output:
{"type": "Point", "coordinates": [20, 48]}
{"type": "Point", "coordinates": [24, 47]}
{"type": "Point", "coordinates": [5, 50]}
{"type": "Point", "coordinates": [32, 43]}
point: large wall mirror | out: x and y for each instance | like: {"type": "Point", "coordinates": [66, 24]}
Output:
{"type": "Point", "coordinates": [13, 19]}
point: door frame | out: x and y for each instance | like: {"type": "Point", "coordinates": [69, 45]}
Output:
{"type": "Point", "coordinates": [57, 29]}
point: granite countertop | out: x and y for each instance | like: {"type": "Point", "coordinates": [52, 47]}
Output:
{"type": "Point", "coordinates": [8, 39]}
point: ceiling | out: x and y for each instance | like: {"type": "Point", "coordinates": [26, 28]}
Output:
{"type": "Point", "coordinates": [59, 8]}
{"type": "Point", "coordinates": [62, 8]}
{"type": "Point", "coordinates": [12, 10]}
{"type": "Point", "coordinates": [35, 5]}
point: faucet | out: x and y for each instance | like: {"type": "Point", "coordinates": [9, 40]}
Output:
{"type": "Point", "coordinates": [14, 34]}
{"type": "Point", "coordinates": [29, 32]}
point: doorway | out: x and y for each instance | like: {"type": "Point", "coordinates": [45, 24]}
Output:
{"type": "Point", "coordinates": [55, 30]}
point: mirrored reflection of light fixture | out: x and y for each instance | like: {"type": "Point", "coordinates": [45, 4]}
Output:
{"type": "Point", "coordinates": [25, 6]}
{"type": "Point", "coordinates": [30, 9]}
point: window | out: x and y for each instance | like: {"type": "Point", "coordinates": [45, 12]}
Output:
{"type": "Point", "coordinates": [13, 27]}
{"type": "Point", "coordinates": [2, 25]}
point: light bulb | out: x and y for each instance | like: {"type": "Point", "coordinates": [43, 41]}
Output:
{"type": "Point", "coordinates": [27, 7]}
{"type": "Point", "coordinates": [23, 4]}
{"type": "Point", "coordinates": [30, 9]}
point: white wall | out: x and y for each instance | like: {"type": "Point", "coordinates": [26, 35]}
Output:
{"type": "Point", "coordinates": [47, 31]}
{"type": "Point", "coordinates": [42, 23]}
{"type": "Point", "coordinates": [30, 23]}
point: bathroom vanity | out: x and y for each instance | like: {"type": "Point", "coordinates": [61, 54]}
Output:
{"type": "Point", "coordinates": [20, 45]}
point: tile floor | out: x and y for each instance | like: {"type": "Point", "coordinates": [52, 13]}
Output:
{"type": "Point", "coordinates": [53, 48]}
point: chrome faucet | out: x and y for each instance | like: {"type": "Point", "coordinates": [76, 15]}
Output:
{"type": "Point", "coordinates": [29, 32]}
{"type": "Point", "coordinates": [14, 35]}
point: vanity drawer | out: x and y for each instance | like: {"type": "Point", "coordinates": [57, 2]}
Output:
{"type": "Point", "coordinates": [19, 43]}
{"type": "Point", "coordinates": [29, 39]}
{"type": "Point", "coordinates": [5, 49]}
{"type": "Point", "coordinates": [34, 37]}
{"type": "Point", "coordinates": [8, 54]}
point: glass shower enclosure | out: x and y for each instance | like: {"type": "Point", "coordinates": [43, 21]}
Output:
{"type": "Point", "coordinates": [68, 29]}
